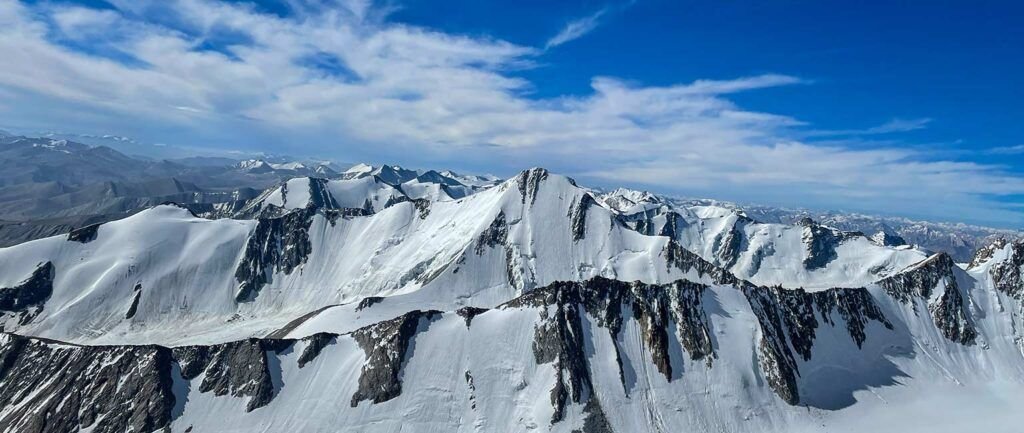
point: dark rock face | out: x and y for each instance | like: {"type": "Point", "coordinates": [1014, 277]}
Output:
{"type": "Point", "coordinates": [59, 387]}
{"type": "Point", "coordinates": [948, 309]}
{"type": "Point", "coordinates": [642, 225]}
{"type": "Point", "coordinates": [368, 302]}
{"type": "Point", "coordinates": [319, 196]}
{"type": "Point", "coordinates": [238, 368]}
{"type": "Point", "coordinates": [84, 234]}
{"type": "Point", "coordinates": [472, 389]}
{"type": "Point", "coordinates": [134, 307]}
{"type": "Point", "coordinates": [468, 313]}
{"type": "Point", "coordinates": [919, 280]}
{"type": "Point", "coordinates": [951, 316]}
{"type": "Point", "coordinates": [63, 388]}
{"type": "Point", "coordinates": [685, 260]}
{"type": "Point", "coordinates": [789, 320]}
{"type": "Point", "coordinates": [578, 216]}
{"type": "Point", "coordinates": [819, 244]}
{"type": "Point", "coordinates": [278, 244]}
{"type": "Point", "coordinates": [29, 296]}
{"type": "Point", "coordinates": [671, 227]}
{"type": "Point", "coordinates": [393, 200]}
{"type": "Point", "coordinates": [385, 345]}
{"type": "Point", "coordinates": [333, 215]}
{"type": "Point", "coordinates": [595, 420]}
{"type": "Point", "coordinates": [529, 182]}
{"type": "Point", "coordinates": [985, 253]}
{"type": "Point", "coordinates": [1009, 275]}
{"type": "Point", "coordinates": [558, 339]}
{"type": "Point", "coordinates": [887, 239]}
{"type": "Point", "coordinates": [422, 207]}
{"type": "Point", "coordinates": [728, 245]}
{"type": "Point", "coordinates": [645, 222]}
{"type": "Point", "coordinates": [494, 235]}
{"type": "Point", "coordinates": [315, 344]}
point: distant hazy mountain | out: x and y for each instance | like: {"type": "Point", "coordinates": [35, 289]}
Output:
{"type": "Point", "coordinates": [39, 160]}
{"type": "Point", "coordinates": [49, 185]}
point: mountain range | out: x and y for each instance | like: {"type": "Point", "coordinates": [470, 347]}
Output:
{"type": "Point", "coordinates": [387, 299]}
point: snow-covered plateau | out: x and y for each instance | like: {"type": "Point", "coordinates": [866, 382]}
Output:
{"type": "Point", "coordinates": [391, 300]}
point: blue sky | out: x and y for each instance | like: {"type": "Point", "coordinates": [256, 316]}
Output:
{"type": "Point", "coordinates": [897, 108]}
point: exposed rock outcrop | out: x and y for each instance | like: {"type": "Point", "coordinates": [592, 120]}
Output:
{"type": "Point", "coordinates": [727, 245]}
{"type": "Point", "coordinates": [238, 368]}
{"type": "Point", "coordinates": [986, 252]}
{"type": "Point", "coordinates": [686, 261]}
{"type": "Point", "coordinates": [278, 244]}
{"type": "Point", "coordinates": [578, 216]}
{"type": "Point", "coordinates": [887, 239]}
{"type": "Point", "coordinates": [1008, 275]}
{"type": "Point", "coordinates": [789, 320]}
{"type": "Point", "coordinates": [558, 339]}
{"type": "Point", "coordinates": [494, 235]}
{"type": "Point", "coordinates": [934, 282]}
{"type": "Point", "coordinates": [368, 302]}
{"type": "Point", "coordinates": [468, 313]}
{"type": "Point", "coordinates": [529, 182]}
{"type": "Point", "coordinates": [134, 307]}
{"type": "Point", "coordinates": [819, 244]}
{"type": "Point", "coordinates": [58, 388]}
{"type": "Point", "coordinates": [50, 386]}
{"type": "Point", "coordinates": [422, 207]}
{"type": "Point", "coordinates": [314, 345]}
{"type": "Point", "coordinates": [84, 234]}
{"type": "Point", "coordinates": [385, 345]}
{"type": "Point", "coordinates": [320, 196]}
{"type": "Point", "coordinates": [28, 297]}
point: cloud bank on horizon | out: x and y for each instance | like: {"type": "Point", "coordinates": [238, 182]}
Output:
{"type": "Point", "coordinates": [339, 79]}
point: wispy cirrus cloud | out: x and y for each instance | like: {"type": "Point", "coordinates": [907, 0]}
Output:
{"type": "Point", "coordinates": [893, 126]}
{"type": "Point", "coordinates": [579, 27]}
{"type": "Point", "coordinates": [1007, 150]}
{"type": "Point", "coordinates": [899, 125]}
{"type": "Point", "coordinates": [576, 29]}
{"type": "Point", "coordinates": [387, 91]}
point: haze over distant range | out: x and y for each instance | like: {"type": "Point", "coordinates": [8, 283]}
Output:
{"type": "Point", "coordinates": [894, 109]}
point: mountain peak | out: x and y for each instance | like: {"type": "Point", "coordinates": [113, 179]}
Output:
{"type": "Point", "coordinates": [254, 164]}
{"type": "Point", "coordinates": [359, 168]}
{"type": "Point", "coordinates": [886, 239]}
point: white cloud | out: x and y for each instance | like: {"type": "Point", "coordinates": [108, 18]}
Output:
{"type": "Point", "coordinates": [893, 126]}
{"type": "Point", "coordinates": [428, 98]}
{"type": "Point", "coordinates": [899, 125]}
{"type": "Point", "coordinates": [81, 22]}
{"type": "Point", "coordinates": [1007, 150]}
{"type": "Point", "coordinates": [575, 29]}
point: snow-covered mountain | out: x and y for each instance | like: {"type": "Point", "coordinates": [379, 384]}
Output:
{"type": "Point", "coordinates": [395, 300]}
{"type": "Point", "coordinates": [805, 254]}
{"type": "Point", "coordinates": [958, 239]}
{"type": "Point", "coordinates": [292, 168]}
